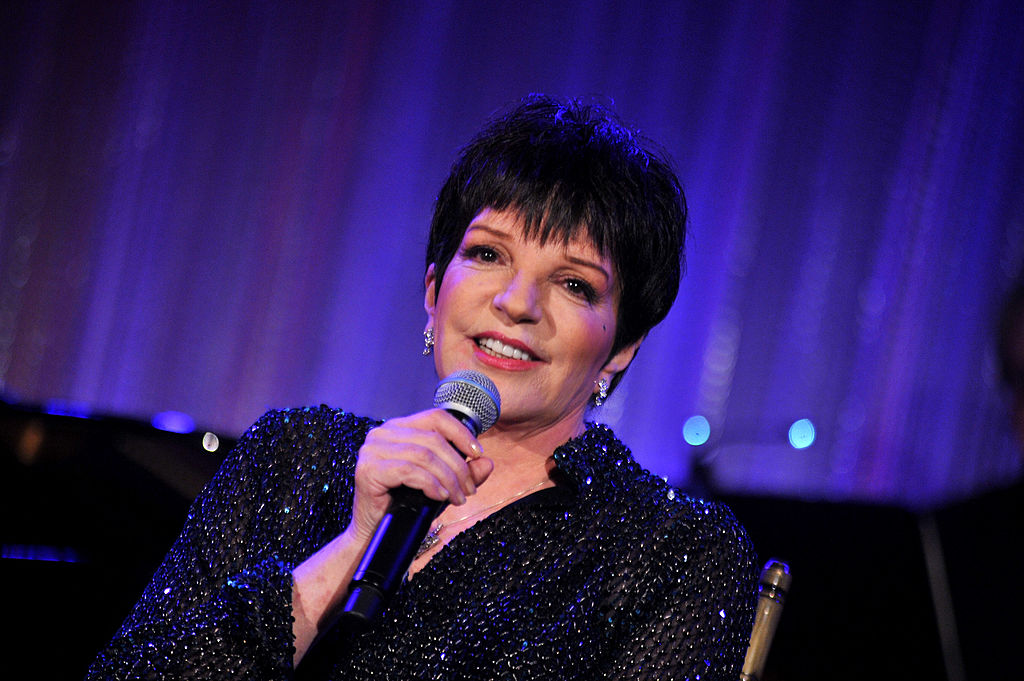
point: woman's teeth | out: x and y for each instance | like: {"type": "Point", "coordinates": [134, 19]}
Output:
{"type": "Point", "coordinates": [498, 349]}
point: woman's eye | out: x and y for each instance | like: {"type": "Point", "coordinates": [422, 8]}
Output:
{"type": "Point", "coordinates": [482, 253]}
{"type": "Point", "coordinates": [581, 289]}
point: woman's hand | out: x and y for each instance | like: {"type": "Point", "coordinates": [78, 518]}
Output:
{"type": "Point", "coordinates": [421, 451]}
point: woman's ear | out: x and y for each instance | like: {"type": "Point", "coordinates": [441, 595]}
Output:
{"type": "Point", "coordinates": [430, 293]}
{"type": "Point", "coordinates": [619, 361]}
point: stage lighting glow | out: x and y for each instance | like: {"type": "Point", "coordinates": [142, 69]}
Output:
{"type": "Point", "coordinates": [802, 434]}
{"type": "Point", "coordinates": [211, 442]}
{"type": "Point", "coordinates": [56, 554]}
{"type": "Point", "coordinates": [696, 430]}
{"type": "Point", "coordinates": [174, 422]}
{"type": "Point", "coordinates": [64, 408]}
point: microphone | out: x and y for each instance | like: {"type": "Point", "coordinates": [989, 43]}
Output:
{"type": "Point", "coordinates": [473, 399]}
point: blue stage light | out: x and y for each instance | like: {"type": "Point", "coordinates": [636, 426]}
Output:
{"type": "Point", "coordinates": [78, 410]}
{"type": "Point", "coordinates": [696, 430]}
{"type": "Point", "coordinates": [802, 434]}
{"type": "Point", "coordinates": [38, 552]}
{"type": "Point", "coordinates": [174, 422]}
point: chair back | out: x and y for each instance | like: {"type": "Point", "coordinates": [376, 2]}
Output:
{"type": "Point", "coordinates": [772, 590]}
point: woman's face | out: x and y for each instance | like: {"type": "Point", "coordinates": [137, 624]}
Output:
{"type": "Point", "coordinates": [538, 320]}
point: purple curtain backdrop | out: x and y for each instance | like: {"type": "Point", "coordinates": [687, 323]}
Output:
{"type": "Point", "coordinates": [220, 207]}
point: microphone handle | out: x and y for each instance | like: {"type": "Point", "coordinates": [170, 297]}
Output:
{"type": "Point", "coordinates": [377, 577]}
{"type": "Point", "coordinates": [393, 546]}
{"type": "Point", "coordinates": [385, 562]}
{"type": "Point", "coordinates": [400, 532]}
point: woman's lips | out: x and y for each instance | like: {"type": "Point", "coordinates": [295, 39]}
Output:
{"type": "Point", "coordinates": [504, 353]}
{"type": "Point", "coordinates": [497, 348]}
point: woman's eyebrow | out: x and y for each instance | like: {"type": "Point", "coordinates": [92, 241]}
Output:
{"type": "Point", "coordinates": [589, 263]}
{"type": "Point", "coordinates": [578, 260]}
{"type": "Point", "coordinates": [487, 228]}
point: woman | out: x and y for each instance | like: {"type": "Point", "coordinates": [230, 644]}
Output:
{"type": "Point", "coordinates": [554, 248]}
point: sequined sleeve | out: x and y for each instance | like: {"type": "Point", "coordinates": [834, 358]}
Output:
{"type": "Point", "coordinates": [219, 606]}
{"type": "Point", "coordinates": [692, 607]}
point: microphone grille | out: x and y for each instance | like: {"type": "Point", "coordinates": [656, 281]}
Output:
{"type": "Point", "coordinates": [471, 394]}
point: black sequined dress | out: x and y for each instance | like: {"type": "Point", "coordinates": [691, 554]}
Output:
{"type": "Point", "coordinates": [622, 577]}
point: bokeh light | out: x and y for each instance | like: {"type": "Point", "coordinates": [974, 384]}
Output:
{"type": "Point", "coordinates": [696, 430]}
{"type": "Point", "coordinates": [174, 422]}
{"type": "Point", "coordinates": [802, 434]}
{"type": "Point", "coordinates": [211, 442]}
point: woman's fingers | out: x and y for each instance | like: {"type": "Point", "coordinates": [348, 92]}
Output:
{"type": "Point", "coordinates": [417, 467]}
{"type": "Point", "coordinates": [480, 469]}
{"type": "Point", "coordinates": [456, 438]}
{"type": "Point", "coordinates": [420, 451]}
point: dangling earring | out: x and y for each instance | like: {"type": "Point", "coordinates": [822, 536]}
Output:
{"type": "Point", "coordinates": [428, 341]}
{"type": "Point", "coordinates": [602, 392]}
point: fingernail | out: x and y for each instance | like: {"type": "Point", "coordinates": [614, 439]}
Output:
{"type": "Point", "coordinates": [476, 449]}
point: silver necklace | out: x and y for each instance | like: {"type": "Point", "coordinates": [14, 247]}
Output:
{"type": "Point", "coordinates": [432, 537]}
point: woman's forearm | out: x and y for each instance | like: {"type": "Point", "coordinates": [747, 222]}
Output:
{"type": "Point", "coordinates": [320, 582]}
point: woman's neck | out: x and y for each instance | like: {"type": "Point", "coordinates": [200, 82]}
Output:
{"type": "Point", "coordinates": [521, 467]}
{"type": "Point", "coordinates": [527, 444]}
{"type": "Point", "coordinates": [523, 464]}
{"type": "Point", "coordinates": [522, 461]}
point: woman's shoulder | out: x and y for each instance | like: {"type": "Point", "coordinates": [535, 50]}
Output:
{"type": "Point", "coordinates": [676, 511]}
{"type": "Point", "coordinates": [285, 437]}
{"type": "Point", "coordinates": [665, 547]}
{"type": "Point", "coordinates": [682, 534]}
{"type": "Point", "coordinates": [616, 487]}
{"type": "Point", "coordinates": [291, 459]}
{"type": "Point", "coordinates": [320, 420]}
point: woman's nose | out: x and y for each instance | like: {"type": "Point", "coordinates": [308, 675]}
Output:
{"type": "Point", "coordinates": [519, 300]}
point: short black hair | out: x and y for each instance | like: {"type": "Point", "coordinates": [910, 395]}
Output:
{"type": "Point", "coordinates": [572, 169]}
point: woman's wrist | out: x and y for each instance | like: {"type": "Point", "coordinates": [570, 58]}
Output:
{"type": "Point", "coordinates": [320, 583]}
